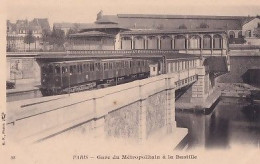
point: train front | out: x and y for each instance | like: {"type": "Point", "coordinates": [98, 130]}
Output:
{"type": "Point", "coordinates": [50, 84]}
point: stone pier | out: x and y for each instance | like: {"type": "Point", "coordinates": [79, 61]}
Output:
{"type": "Point", "coordinates": [202, 87]}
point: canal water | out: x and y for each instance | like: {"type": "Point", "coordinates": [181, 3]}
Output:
{"type": "Point", "coordinates": [233, 121]}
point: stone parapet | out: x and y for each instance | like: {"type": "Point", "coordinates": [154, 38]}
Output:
{"type": "Point", "coordinates": [153, 99]}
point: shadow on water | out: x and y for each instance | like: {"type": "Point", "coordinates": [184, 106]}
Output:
{"type": "Point", "coordinates": [232, 121]}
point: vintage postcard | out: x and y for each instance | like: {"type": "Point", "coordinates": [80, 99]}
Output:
{"type": "Point", "coordinates": [116, 81]}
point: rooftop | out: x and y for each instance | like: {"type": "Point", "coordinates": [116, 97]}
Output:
{"type": "Point", "coordinates": [177, 31]}
{"type": "Point", "coordinates": [153, 16]}
{"type": "Point", "coordinates": [91, 33]}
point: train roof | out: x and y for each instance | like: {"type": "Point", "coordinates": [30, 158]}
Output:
{"type": "Point", "coordinates": [73, 61]}
{"type": "Point", "coordinates": [116, 59]}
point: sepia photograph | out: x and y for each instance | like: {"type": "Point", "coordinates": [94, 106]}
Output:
{"type": "Point", "coordinates": [141, 81]}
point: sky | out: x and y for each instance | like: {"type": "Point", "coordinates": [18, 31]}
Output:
{"type": "Point", "coordinates": [84, 11]}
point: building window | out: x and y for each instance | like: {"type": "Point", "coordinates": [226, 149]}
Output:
{"type": "Point", "coordinates": [166, 43]}
{"type": "Point", "coordinates": [139, 42]}
{"type": "Point", "coordinates": [194, 42]}
{"type": "Point", "coordinates": [180, 42]}
{"type": "Point", "coordinates": [248, 33]}
{"type": "Point", "coordinates": [152, 42]}
{"type": "Point", "coordinates": [126, 43]}
{"type": "Point", "coordinates": [231, 34]}
{"type": "Point", "coordinates": [206, 42]}
{"type": "Point", "coordinates": [217, 42]}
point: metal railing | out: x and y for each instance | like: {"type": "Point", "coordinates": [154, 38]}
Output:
{"type": "Point", "coordinates": [114, 52]}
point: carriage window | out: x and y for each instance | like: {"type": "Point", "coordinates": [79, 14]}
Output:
{"type": "Point", "coordinates": [64, 70]}
{"type": "Point", "coordinates": [110, 66]}
{"type": "Point", "coordinates": [87, 67]}
{"type": "Point", "coordinates": [97, 66]}
{"type": "Point", "coordinates": [80, 67]}
{"type": "Point", "coordinates": [91, 66]}
{"type": "Point", "coordinates": [57, 69]}
{"type": "Point", "coordinates": [74, 69]}
{"type": "Point", "coordinates": [105, 66]}
{"type": "Point", "coordinates": [131, 64]}
{"type": "Point", "coordinates": [71, 69]}
{"type": "Point", "coordinates": [84, 67]}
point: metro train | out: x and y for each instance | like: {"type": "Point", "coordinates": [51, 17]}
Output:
{"type": "Point", "coordinates": [77, 75]}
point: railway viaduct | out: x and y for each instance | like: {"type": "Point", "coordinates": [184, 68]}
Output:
{"type": "Point", "coordinates": [137, 110]}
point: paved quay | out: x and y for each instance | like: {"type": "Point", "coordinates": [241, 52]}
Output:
{"type": "Point", "coordinates": [238, 90]}
{"type": "Point", "coordinates": [24, 89]}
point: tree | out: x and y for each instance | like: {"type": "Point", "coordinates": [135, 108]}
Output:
{"type": "Point", "coordinates": [46, 37]}
{"type": "Point", "coordinates": [46, 34]}
{"type": "Point", "coordinates": [57, 38]}
{"type": "Point", "coordinates": [29, 38]}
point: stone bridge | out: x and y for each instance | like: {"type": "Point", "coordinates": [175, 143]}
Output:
{"type": "Point", "coordinates": [134, 110]}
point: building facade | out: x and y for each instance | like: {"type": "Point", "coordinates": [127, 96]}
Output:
{"type": "Point", "coordinates": [153, 32]}
{"type": "Point", "coordinates": [16, 32]}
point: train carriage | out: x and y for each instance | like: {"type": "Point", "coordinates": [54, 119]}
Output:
{"type": "Point", "coordinates": [73, 76]}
